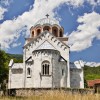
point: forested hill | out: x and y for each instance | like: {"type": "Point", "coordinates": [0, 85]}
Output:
{"type": "Point", "coordinates": [18, 58]}
{"type": "Point", "coordinates": [91, 73]}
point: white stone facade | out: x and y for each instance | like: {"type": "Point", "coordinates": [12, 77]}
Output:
{"type": "Point", "coordinates": [45, 64]}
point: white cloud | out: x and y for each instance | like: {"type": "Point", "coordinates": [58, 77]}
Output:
{"type": "Point", "coordinates": [16, 45]}
{"type": "Point", "coordinates": [87, 30]}
{"type": "Point", "coordinates": [92, 64]}
{"type": "Point", "coordinates": [5, 2]}
{"type": "Point", "coordinates": [94, 2]}
{"type": "Point", "coordinates": [10, 28]}
{"type": "Point", "coordinates": [2, 11]}
{"type": "Point", "coordinates": [3, 7]}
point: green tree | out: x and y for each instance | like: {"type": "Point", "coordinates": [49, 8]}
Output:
{"type": "Point", "coordinates": [4, 61]}
{"type": "Point", "coordinates": [85, 84]}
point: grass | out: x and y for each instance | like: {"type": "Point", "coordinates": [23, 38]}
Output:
{"type": "Point", "coordinates": [56, 96]}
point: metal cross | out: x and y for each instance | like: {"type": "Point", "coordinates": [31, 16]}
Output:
{"type": "Point", "coordinates": [47, 15]}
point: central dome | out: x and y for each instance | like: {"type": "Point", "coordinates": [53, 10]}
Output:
{"type": "Point", "coordinates": [47, 21]}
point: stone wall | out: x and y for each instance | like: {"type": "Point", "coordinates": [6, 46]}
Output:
{"type": "Point", "coordinates": [76, 77]}
{"type": "Point", "coordinates": [16, 79]}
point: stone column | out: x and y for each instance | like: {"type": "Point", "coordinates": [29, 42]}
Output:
{"type": "Point", "coordinates": [35, 33]}
{"type": "Point", "coordinates": [41, 29]}
{"type": "Point", "coordinates": [58, 32]}
{"type": "Point", "coordinates": [50, 30]}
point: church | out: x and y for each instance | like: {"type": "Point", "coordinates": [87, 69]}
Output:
{"type": "Point", "coordinates": [46, 60]}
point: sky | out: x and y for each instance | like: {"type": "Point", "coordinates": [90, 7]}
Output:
{"type": "Point", "coordinates": [79, 18]}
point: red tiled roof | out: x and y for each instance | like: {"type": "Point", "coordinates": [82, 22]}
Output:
{"type": "Point", "coordinates": [91, 83]}
{"type": "Point", "coordinates": [97, 81]}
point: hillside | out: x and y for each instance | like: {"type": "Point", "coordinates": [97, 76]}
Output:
{"type": "Point", "coordinates": [18, 58]}
{"type": "Point", "coordinates": [91, 73]}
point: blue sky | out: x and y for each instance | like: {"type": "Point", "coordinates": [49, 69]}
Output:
{"type": "Point", "coordinates": [80, 19]}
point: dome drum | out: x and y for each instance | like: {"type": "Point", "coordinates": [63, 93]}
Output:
{"type": "Point", "coordinates": [47, 24]}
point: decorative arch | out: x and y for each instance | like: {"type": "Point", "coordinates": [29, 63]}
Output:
{"type": "Point", "coordinates": [38, 31]}
{"type": "Point", "coordinates": [45, 67]}
{"type": "Point", "coordinates": [32, 33]}
{"type": "Point", "coordinates": [55, 31]}
{"type": "Point", "coordinates": [61, 33]}
{"type": "Point", "coordinates": [46, 28]}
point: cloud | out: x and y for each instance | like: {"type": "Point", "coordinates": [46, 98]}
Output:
{"type": "Point", "coordinates": [87, 31]}
{"type": "Point", "coordinates": [2, 11]}
{"type": "Point", "coordinates": [94, 2]}
{"type": "Point", "coordinates": [3, 7]}
{"type": "Point", "coordinates": [92, 64]}
{"type": "Point", "coordinates": [16, 44]}
{"type": "Point", "coordinates": [6, 2]}
{"type": "Point", "coordinates": [10, 29]}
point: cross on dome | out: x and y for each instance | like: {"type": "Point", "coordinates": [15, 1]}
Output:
{"type": "Point", "coordinates": [47, 15]}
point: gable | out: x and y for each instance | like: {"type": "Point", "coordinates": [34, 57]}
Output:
{"type": "Point", "coordinates": [46, 45]}
{"type": "Point", "coordinates": [48, 40]}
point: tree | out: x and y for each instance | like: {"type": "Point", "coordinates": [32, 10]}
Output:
{"type": "Point", "coordinates": [85, 84]}
{"type": "Point", "coordinates": [91, 73]}
{"type": "Point", "coordinates": [4, 61]}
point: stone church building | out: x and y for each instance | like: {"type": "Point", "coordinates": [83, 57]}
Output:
{"type": "Point", "coordinates": [46, 61]}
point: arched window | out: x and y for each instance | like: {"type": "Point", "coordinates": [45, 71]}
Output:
{"type": "Point", "coordinates": [38, 31]}
{"type": "Point", "coordinates": [61, 33]}
{"type": "Point", "coordinates": [47, 28]}
{"type": "Point", "coordinates": [32, 33]}
{"type": "Point", "coordinates": [28, 71]}
{"type": "Point", "coordinates": [62, 72]}
{"type": "Point", "coordinates": [45, 67]}
{"type": "Point", "coordinates": [55, 31]}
